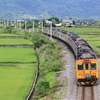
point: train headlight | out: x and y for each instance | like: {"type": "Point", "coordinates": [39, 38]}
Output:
{"type": "Point", "coordinates": [87, 75]}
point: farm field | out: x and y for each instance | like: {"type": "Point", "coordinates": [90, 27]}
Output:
{"type": "Point", "coordinates": [92, 39]}
{"type": "Point", "coordinates": [82, 30]}
{"type": "Point", "coordinates": [94, 43]}
{"type": "Point", "coordinates": [15, 82]}
{"type": "Point", "coordinates": [17, 55]}
{"type": "Point", "coordinates": [91, 35]}
{"type": "Point", "coordinates": [9, 35]}
{"type": "Point", "coordinates": [17, 67]}
{"type": "Point", "coordinates": [18, 41]}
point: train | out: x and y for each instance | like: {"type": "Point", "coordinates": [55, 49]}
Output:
{"type": "Point", "coordinates": [86, 61]}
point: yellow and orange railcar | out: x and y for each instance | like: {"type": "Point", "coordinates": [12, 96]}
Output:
{"type": "Point", "coordinates": [87, 71]}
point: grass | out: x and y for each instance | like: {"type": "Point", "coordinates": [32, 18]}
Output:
{"type": "Point", "coordinates": [15, 42]}
{"type": "Point", "coordinates": [21, 55]}
{"type": "Point", "coordinates": [49, 76]}
{"type": "Point", "coordinates": [9, 35]}
{"type": "Point", "coordinates": [97, 50]}
{"type": "Point", "coordinates": [94, 43]}
{"type": "Point", "coordinates": [91, 37]}
{"type": "Point", "coordinates": [15, 82]}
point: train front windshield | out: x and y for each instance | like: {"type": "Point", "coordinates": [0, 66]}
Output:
{"type": "Point", "coordinates": [93, 66]}
{"type": "Point", "coordinates": [87, 66]}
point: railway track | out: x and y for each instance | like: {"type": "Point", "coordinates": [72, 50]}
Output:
{"type": "Point", "coordinates": [82, 92]}
{"type": "Point", "coordinates": [85, 93]}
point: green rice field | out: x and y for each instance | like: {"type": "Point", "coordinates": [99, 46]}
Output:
{"type": "Point", "coordinates": [17, 55]}
{"type": "Point", "coordinates": [91, 37]}
{"type": "Point", "coordinates": [15, 82]}
{"type": "Point", "coordinates": [82, 30]}
{"type": "Point", "coordinates": [18, 41]}
{"type": "Point", "coordinates": [9, 35]}
{"type": "Point", "coordinates": [94, 43]}
{"type": "Point", "coordinates": [17, 68]}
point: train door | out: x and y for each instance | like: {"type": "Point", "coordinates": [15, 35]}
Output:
{"type": "Point", "coordinates": [87, 70]}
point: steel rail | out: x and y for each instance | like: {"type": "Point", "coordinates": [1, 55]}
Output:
{"type": "Point", "coordinates": [84, 95]}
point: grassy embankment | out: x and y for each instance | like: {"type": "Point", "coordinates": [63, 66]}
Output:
{"type": "Point", "coordinates": [91, 35]}
{"type": "Point", "coordinates": [49, 62]}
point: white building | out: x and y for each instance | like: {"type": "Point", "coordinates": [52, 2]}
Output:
{"type": "Point", "coordinates": [20, 21]}
{"type": "Point", "coordinates": [48, 22]}
{"type": "Point", "coordinates": [58, 25]}
{"type": "Point", "coordinates": [67, 22]}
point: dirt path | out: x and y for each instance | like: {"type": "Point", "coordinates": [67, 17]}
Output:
{"type": "Point", "coordinates": [67, 76]}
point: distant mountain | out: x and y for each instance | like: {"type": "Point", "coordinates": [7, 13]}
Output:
{"type": "Point", "coordinates": [20, 9]}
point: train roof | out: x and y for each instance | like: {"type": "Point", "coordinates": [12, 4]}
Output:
{"type": "Point", "coordinates": [84, 50]}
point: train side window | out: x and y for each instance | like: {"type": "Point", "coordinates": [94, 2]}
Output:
{"type": "Point", "coordinates": [80, 66]}
{"type": "Point", "coordinates": [93, 66]}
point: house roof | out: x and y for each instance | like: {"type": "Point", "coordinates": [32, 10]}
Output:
{"type": "Point", "coordinates": [67, 21]}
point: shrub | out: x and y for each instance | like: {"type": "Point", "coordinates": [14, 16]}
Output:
{"type": "Point", "coordinates": [38, 40]}
{"type": "Point", "coordinates": [42, 88]}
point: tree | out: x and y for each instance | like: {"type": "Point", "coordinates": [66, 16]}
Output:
{"type": "Point", "coordinates": [38, 40]}
{"type": "Point", "coordinates": [29, 24]}
{"type": "Point", "coordinates": [9, 29]}
{"type": "Point", "coordinates": [54, 20]}
{"type": "Point", "coordinates": [73, 22]}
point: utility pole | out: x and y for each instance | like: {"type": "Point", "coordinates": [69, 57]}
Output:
{"type": "Point", "coordinates": [15, 23]}
{"type": "Point", "coordinates": [20, 24]}
{"type": "Point", "coordinates": [48, 32]}
{"type": "Point", "coordinates": [11, 22]}
{"type": "Point", "coordinates": [51, 31]}
{"type": "Point", "coordinates": [4, 23]}
{"type": "Point", "coordinates": [7, 23]}
{"type": "Point", "coordinates": [33, 26]}
{"type": "Point", "coordinates": [25, 26]}
{"type": "Point", "coordinates": [1, 22]}
{"type": "Point", "coordinates": [42, 26]}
